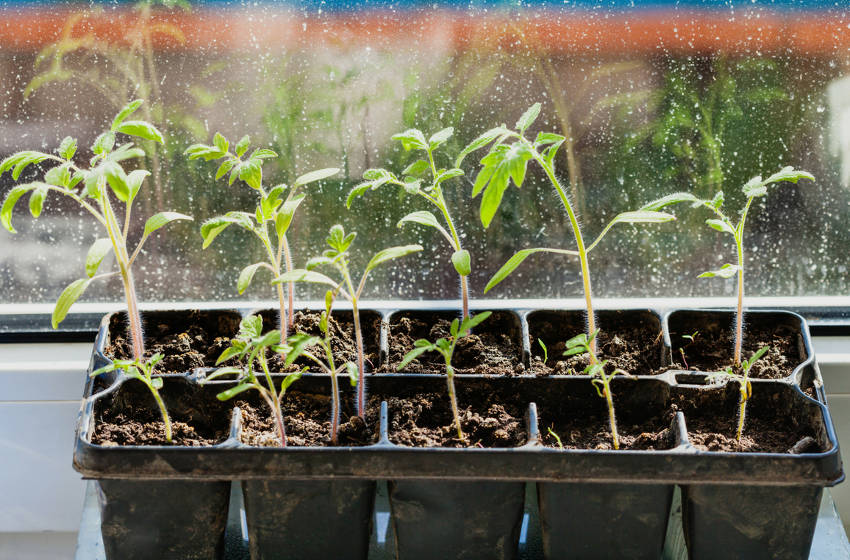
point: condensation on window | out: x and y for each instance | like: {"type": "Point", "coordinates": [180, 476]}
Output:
{"type": "Point", "coordinates": [679, 96]}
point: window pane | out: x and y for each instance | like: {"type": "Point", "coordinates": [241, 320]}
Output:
{"type": "Point", "coordinates": [696, 97]}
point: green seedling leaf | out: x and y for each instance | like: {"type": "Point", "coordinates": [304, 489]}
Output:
{"type": "Point", "coordinates": [721, 225]}
{"type": "Point", "coordinates": [156, 383]}
{"type": "Point", "coordinates": [411, 140]}
{"type": "Point", "coordinates": [471, 322]}
{"type": "Point", "coordinates": [242, 146]}
{"type": "Point", "coordinates": [122, 115]}
{"type": "Point", "coordinates": [297, 343]}
{"type": "Point", "coordinates": [37, 200]}
{"type": "Point", "coordinates": [230, 393]}
{"type": "Point", "coordinates": [141, 129]}
{"type": "Point", "coordinates": [97, 252]}
{"type": "Point", "coordinates": [9, 204]}
{"type": "Point", "coordinates": [528, 118]}
{"type": "Point", "coordinates": [517, 260]}
{"type": "Point", "coordinates": [454, 327]}
{"type": "Point", "coordinates": [221, 143]}
{"type": "Point", "coordinates": [462, 262]}
{"type": "Point", "coordinates": [314, 176]}
{"type": "Point", "coordinates": [223, 169]}
{"type": "Point", "coordinates": [247, 275]}
{"type": "Point", "coordinates": [289, 380]}
{"type": "Point", "coordinates": [757, 355]}
{"type": "Point", "coordinates": [425, 218]}
{"type": "Point", "coordinates": [67, 148]}
{"type": "Point", "coordinates": [59, 176]}
{"type": "Point", "coordinates": [390, 254]}
{"type": "Point", "coordinates": [135, 180]}
{"type": "Point", "coordinates": [251, 327]}
{"type": "Point", "coordinates": [413, 354]}
{"type": "Point", "coordinates": [284, 218]}
{"type": "Point", "coordinates": [351, 368]}
{"type": "Point", "coordinates": [237, 348]}
{"type": "Point", "coordinates": [447, 174]}
{"type": "Point", "coordinates": [789, 174]}
{"type": "Point", "coordinates": [251, 172]}
{"type": "Point", "coordinates": [670, 199]}
{"type": "Point", "coordinates": [439, 138]}
{"type": "Point", "coordinates": [117, 179]}
{"type": "Point", "coordinates": [725, 271]}
{"type": "Point", "coordinates": [575, 350]}
{"type": "Point", "coordinates": [221, 372]}
{"type": "Point", "coordinates": [163, 218]}
{"type": "Point", "coordinates": [417, 168]}
{"type": "Point", "coordinates": [302, 275]}
{"type": "Point", "coordinates": [67, 298]}
{"type": "Point", "coordinates": [479, 143]}
{"type": "Point", "coordinates": [634, 217]}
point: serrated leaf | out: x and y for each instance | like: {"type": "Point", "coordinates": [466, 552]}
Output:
{"type": "Point", "coordinates": [141, 129]}
{"type": "Point", "coordinates": [220, 142]}
{"type": "Point", "coordinates": [158, 220]}
{"type": "Point", "coordinates": [528, 118]}
{"type": "Point", "coordinates": [207, 153]}
{"type": "Point", "coordinates": [493, 193]}
{"type": "Point", "coordinates": [390, 254]}
{"type": "Point", "coordinates": [314, 176]}
{"type": "Point", "coordinates": [412, 139]}
{"type": "Point", "coordinates": [67, 148]}
{"type": "Point", "coordinates": [242, 145]}
{"type": "Point", "coordinates": [67, 298]}
{"type": "Point", "coordinates": [517, 260]}
{"type": "Point", "coordinates": [125, 112]}
{"type": "Point", "coordinates": [725, 271]}
{"type": "Point", "coordinates": [252, 173]}
{"type": "Point", "coordinates": [297, 343]}
{"type": "Point", "coordinates": [225, 166]}
{"type": "Point", "coordinates": [37, 200]}
{"type": "Point", "coordinates": [447, 174]}
{"type": "Point", "coordinates": [462, 262]}
{"type": "Point", "coordinates": [251, 327]}
{"type": "Point", "coordinates": [97, 252]}
{"type": "Point", "coordinates": [246, 276]}
{"type": "Point", "coordinates": [263, 153]}
{"type": "Point", "coordinates": [214, 226]}
{"type": "Point", "coordinates": [439, 138]}
{"type": "Point", "coordinates": [546, 138]}
{"type": "Point", "coordinates": [58, 176]}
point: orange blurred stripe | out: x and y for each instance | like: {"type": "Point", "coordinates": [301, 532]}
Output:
{"type": "Point", "coordinates": [805, 33]}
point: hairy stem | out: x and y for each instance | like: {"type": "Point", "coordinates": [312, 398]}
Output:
{"type": "Point", "coordinates": [612, 419]}
{"type": "Point", "coordinates": [582, 251]}
{"type": "Point", "coordinates": [742, 409]}
{"type": "Point", "coordinates": [450, 378]}
{"type": "Point", "coordinates": [464, 295]}
{"type": "Point", "coordinates": [287, 257]}
{"type": "Point", "coordinates": [361, 387]}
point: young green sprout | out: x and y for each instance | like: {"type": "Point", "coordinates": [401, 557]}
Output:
{"type": "Point", "coordinates": [250, 346]}
{"type": "Point", "coordinates": [582, 344]}
{"type": "Point", "coordinates": [274, 212]}
{"type": "Point", "coordinates": [446, 347]}
{"type": "Point", "coordinates": [557, 438]}
{"type": "Point", "coordinates": [506, 162]}
{"type": "Point", "coordinates": [326, 362]}
{"type": "Point", "coordinates": [143, 371]}
{"type": "Point", "coordinates": [755, 188]}
{"type": "Point", "coordinates": [90, 188]}
{"type": "Point", "coordinates": [691, 338]}
{"type": "Point", "coordinates": [414, 175]}
{"type": "Point", "coordinates": [337, 257]}
{"type": "Point", "coordinates": [545, 350]}
{"type": "Point", "coordinates": [746, 388]}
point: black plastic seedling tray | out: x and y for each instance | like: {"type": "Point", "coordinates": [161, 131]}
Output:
{"type": "Point", "coordinates": [581, 492]}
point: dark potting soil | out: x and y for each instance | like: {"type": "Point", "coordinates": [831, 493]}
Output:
{"type": "Point", "coordinates": [138, 425]}
{"type": "Point", "coordinates": [307, 421]}
{"type": "Point", "coordinates": [593, 432]}
{"type": "Point", "coordinates": [713, 349]}
{"type": "Point", "coordinates": [631, 344]}
{"type": "Point", "coordinates": [711, 418]}
{"type": "Point", "coordinates": [186, 342]}
{"type": "Point", "coordinates": [343, 342]}
{"type": "Point", "coordinates": [492, 349]}
{"type": "Point", "coordinates": [425, 420]}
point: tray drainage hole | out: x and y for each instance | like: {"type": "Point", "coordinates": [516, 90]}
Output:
{"type": "Point", "coordinates": [692, 379]}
